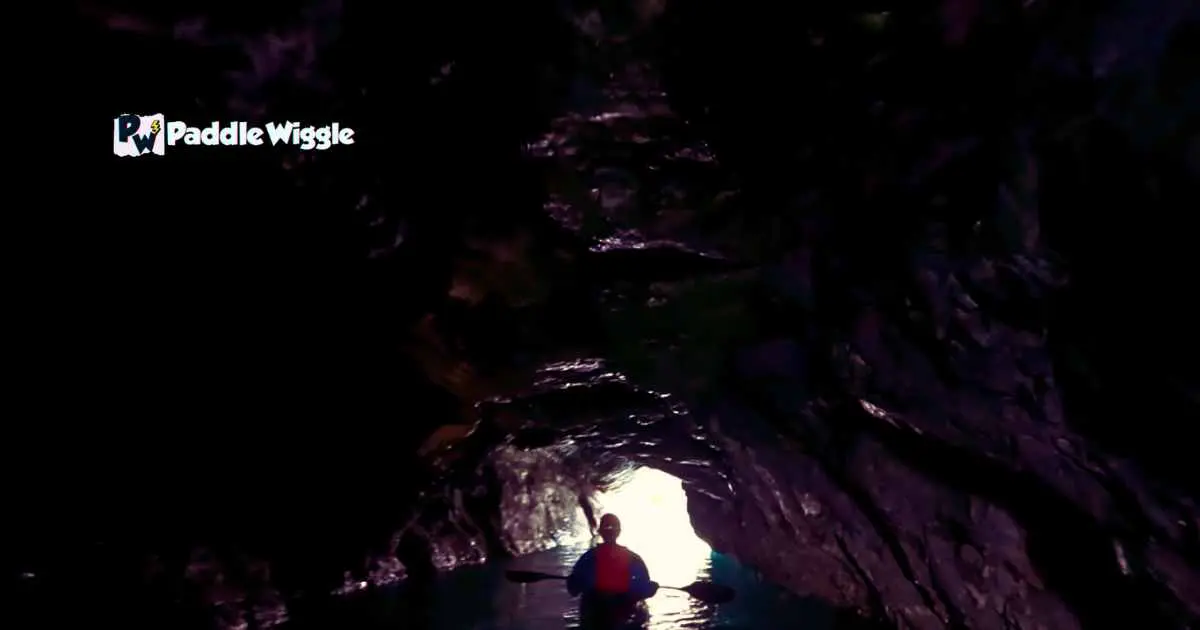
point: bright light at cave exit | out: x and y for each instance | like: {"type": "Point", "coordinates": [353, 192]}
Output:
{"type": "Point", "coordinates": [652, 506]}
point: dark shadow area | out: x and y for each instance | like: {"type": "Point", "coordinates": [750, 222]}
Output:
{"type": "Point", "coordinates": [572, 236]}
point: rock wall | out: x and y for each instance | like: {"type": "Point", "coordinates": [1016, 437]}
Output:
{"type": "Point", "coordinates": [944, 462]}
{"type": "Point", "coordinates": [514, 501]}
{"type": "Point", "coordinates": [894, 290]}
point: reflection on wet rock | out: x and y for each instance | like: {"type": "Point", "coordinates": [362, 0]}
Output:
{"type": "Point", "coordinates": [887, 291]}
{"type": "Point", "coordinates": [539, 500]}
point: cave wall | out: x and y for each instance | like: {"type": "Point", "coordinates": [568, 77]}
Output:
{"type": "Point", "coordinates": [974, 436]}
{"type": "Point", "coordinates": [905, 282]}
{"type": "Point", "coordinates": [512, 501]}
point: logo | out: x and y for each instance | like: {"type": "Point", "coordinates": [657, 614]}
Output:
{"type": "Point", "coordinates": [138, 135]}
{"type": "Point", "coordinates": [134, 136]}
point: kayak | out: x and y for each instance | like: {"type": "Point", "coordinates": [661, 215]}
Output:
{"type": "Point", "coordinates": [596, 613]}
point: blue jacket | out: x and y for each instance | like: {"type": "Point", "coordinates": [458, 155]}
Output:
{"type": "Point", "coordinates": [594, 572]}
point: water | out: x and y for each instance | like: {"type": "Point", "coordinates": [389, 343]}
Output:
{"type": "Point", "coordinates": [655, 523]}
{"type": "Point", "coordinates": [480, 598]}
{"type": "Point", "coordinates": [497, 604]}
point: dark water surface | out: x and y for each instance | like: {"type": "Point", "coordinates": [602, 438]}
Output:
{"type": "Point", "coordinates": [480, 598]}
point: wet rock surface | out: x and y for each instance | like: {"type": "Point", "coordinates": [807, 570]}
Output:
{"type": "Point", "coordinates": [899, 293]}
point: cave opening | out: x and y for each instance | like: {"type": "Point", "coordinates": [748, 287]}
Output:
{"type": "Point", "coordinates": [656, 523]}
{"type": "Point", "coordinates": [652, 505]}
{"type": "Point", "coordinates": [758, 217]}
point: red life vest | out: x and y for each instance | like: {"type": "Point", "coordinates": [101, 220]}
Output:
{"type": "Point", "coordinates": [613, 568]}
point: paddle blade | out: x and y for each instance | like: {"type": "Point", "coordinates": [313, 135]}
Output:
{"type": "Point", "coordinates": [525, 577]}
{"type": "Point", "coordinates": [709, 592]}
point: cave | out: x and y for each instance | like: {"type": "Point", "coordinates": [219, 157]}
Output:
{"type": "Point", "coordinates": [895, 298]}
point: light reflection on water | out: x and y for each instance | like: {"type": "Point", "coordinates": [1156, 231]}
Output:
{"type": "Point", "coordinates": [655, 524]}
{"type": "Point", "coordinates": [479, 598]}
{"type": "Point", "coordinates": [546, 605]}
{"type": "Point", "coordinates": [652, 506]}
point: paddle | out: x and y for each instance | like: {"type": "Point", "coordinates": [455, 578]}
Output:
{"type": "Point", "coordinates": [706, 592]}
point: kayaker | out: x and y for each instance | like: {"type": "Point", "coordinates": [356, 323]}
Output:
{"type": "Point", "coordinates": [611, 579]}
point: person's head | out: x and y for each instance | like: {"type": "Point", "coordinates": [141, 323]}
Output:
{"type": "Point", "coordinates": [610, 527]}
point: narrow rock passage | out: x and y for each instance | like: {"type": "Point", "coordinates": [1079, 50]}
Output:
{"type": "Point", "coordinates": [894, 290]}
